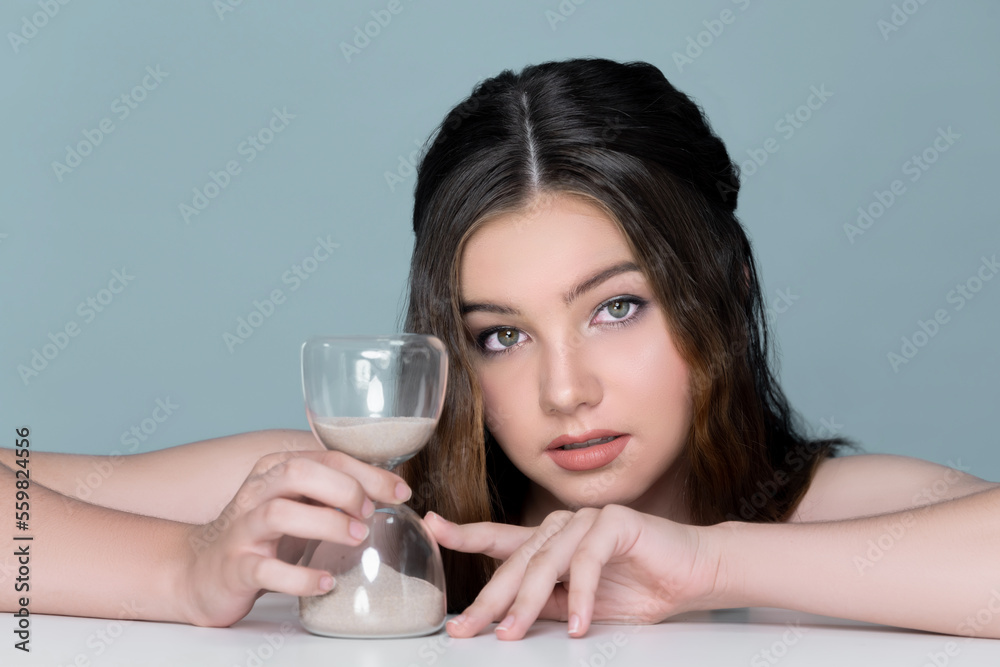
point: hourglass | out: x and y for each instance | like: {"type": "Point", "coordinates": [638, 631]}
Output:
{"type": "Point", "coordinates": [378, 399]}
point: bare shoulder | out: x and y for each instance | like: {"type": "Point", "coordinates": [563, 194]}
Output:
{"type": "Point", "coordinates": [867, 484]}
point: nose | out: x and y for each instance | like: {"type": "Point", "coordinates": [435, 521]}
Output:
{"type": "Point", "coordinates": [566, 380]}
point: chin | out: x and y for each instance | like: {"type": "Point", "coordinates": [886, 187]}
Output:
{"type": "Point", "coordinates": [591, 495]}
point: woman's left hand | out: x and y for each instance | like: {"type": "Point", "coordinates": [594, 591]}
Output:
{"type": "Point", "coordinates": [611, 565]}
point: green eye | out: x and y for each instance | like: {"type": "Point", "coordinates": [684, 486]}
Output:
{"type": "Point", "coordinates": [508, 337]}
{"type": "Point", "coordinates": [618, 308]}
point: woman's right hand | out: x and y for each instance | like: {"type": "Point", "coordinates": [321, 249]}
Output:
{"type": "Point", "coordinates": [288, 499]}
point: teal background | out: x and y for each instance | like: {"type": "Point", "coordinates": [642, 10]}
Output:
{"type": "Point", "coordinates": [324, 176]}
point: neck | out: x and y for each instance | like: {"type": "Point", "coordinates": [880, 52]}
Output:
{"type": "Point", "coordinates": [665, 498]}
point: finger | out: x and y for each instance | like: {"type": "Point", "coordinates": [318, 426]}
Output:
{"type": "Point", "coordinates": [542, 574]}
{"type": "Point", "coordinates": [555, 607]}
{"type": "Point", "coordinates": [612, 533]}
{"type": "Point", "coordinates": [497, 596]}
{"type": "Point", "coordinates": [375, 483]}
{"type": "Point", "coordinates": [302, 476]}
{"type": "Point", "coordinates": [281, 516]}
{"type": "Point", "coordinates": [380, 485]}
{"type": "Point", "coordinates": [497, 540]}
{"type": "Point", "coordinates": [262, 573]}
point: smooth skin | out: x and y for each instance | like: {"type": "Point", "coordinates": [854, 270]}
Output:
{"type": "Point", "coordinates": [561, 354]}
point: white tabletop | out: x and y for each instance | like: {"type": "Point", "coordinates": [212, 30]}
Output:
{"type": "Point", "coordinates": [271, 636]}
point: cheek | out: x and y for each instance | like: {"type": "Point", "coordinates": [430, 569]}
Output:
{"type": "Point", "coordinates": [665, 369]}
{"type": "Point", "coordinates": [645, 371]}
{"type": "Point", "coordinates": [504, 394]}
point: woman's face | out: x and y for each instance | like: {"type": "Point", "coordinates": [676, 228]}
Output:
{"type": "Point", "coordinates": [584, 389]}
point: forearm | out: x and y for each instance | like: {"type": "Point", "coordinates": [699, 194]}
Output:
{"type": "Point", "coordinates": [85, 560]}
{"type": "Point", "coordinates": [934, 568]}
{"type": "Point", "coordinates": [190, 483]}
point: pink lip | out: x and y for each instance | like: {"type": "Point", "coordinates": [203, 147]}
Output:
{"type": "Point", "coordinates": [583, 437]}
{"type": "Point", "coordinates": [588, 458]}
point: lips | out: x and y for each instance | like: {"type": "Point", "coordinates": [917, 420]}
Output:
{"type": "Point", "coordinates": [588, 443]}
{"type": "Point", "coordinates": [587, 438]}
{"type": "Point", "coordinates": [587, 451]}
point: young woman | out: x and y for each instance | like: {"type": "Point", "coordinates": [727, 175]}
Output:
{"type": "Point", "coordinates": [577, 249]}
{"type": "Point", "coordinates": [614, 446]}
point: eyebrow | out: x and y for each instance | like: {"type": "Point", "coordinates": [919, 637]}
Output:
{"type": "Point", "coordinates": [568, 298]}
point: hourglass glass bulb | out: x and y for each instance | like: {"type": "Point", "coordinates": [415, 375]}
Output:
{"type": "Point", "coordinates": [378, 400]}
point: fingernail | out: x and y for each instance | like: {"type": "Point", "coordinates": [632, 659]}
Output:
{"type": "Point", "coordinates": [506, 623]}
{"type": "Point", "coordinates": [358, 530]}
{"type": "Point", "coordinates": [368, 508]}
{"type": "Point", "coordinates": [402, 492]}
{"type": "Point", "coordinates": [326, 583]}
{"type": "Point", "coordinates": [458, 620]}
{"type": "Point", "coordinates": [574, 624]}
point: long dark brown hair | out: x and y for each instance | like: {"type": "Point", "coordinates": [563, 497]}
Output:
{"type": "Point", "coordinates": [622, 136]}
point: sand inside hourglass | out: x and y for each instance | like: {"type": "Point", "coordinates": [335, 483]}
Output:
{"type": "Point", "coordinates": [394, 604]}
{"type": "Point", "coordinates": [375, 439]}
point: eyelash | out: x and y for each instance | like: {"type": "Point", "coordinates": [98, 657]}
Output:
{"type": "Point", "coordinates": [623, 322]}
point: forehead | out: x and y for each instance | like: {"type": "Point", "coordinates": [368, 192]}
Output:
{"type": "Point", "coordinates": [559, 238]}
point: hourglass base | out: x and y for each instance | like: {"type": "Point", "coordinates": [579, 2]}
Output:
{"type": "Point", "coordinates": [352, 631]}
{"type": "Point", "coordinates": [391, 585]}
{"type": "Point", "coordinates": [393, 606]}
